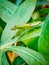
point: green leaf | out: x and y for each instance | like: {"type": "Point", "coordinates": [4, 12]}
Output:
{"type": "Point", "coordinates": [31, 35]}
{"type": "Point", "coordinates": [27, 26]}
{"type": "Point", "coordinates": [30, 56]}
{"type": "Point", "coordinates": [25, 36]}
{"type": "Point", "coordinates": [3, 59]}
{"type": "Point", "coordinates": [31, 39]}
{"type": "Point", "coordinates": [44, 11]}
{"type": "Point", "coordinates": [7, 9]}
{"type": "Point", "coordinates": [33, 43]}
{"type": "Point", "coordinates": [21, 16]}
{"type": "Point", "coordinates": [12, 41]}
{"type": "Point", "coordinates": [0, 57]}
{"type": "Point", "coordinates": [9, 6]}
{"type": "Point", "coordinates": [43, 45]}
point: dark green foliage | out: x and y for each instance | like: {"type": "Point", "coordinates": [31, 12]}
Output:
{"type": "Point", "coordinates": [21, 33]}
{"type": "Point", "coordinates": [43, 45]}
